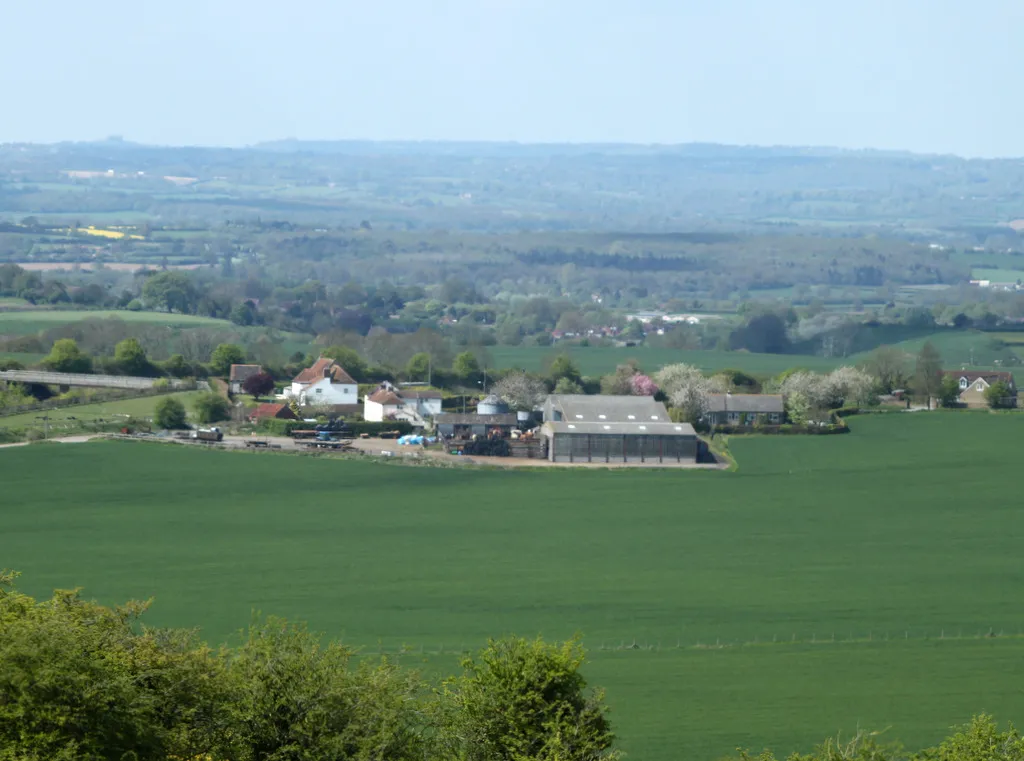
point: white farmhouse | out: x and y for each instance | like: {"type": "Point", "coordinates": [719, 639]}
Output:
{"type": "Point", "coordinates": [391, 403]}
{"type": "Point", "coordinates": [326, 382]}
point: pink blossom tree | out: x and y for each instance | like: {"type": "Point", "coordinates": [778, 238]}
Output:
{"type": "Point", "coordinates": [643, 385]}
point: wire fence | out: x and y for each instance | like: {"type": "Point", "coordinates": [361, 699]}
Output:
{"type": "Point", "coordinates": [722, 643]}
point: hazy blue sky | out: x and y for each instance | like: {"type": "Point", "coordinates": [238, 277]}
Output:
{"type": "Point", "coordinates": [925, 75]}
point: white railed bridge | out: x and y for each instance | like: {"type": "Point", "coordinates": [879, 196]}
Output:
{"type": "Point", "coordinates": [67, 380]}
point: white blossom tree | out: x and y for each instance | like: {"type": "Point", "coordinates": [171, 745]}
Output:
{"type": "Point", "coordinates": [687, 389]}
{"type": "Point", "coordinates": [810, 395]}
{"type": "Point", "coordinates": [521, 391]}
{"type": "Point", "coordinates": [851, 386]}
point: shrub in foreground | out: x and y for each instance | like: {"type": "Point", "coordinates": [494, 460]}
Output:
{"type": "Point", "coordinates": [83, 682]}
{"type": "Point", "coordinates": [169, 413]}
{"type": "Point", "coordinates": [211, 407]}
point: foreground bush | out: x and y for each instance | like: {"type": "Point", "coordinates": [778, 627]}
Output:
{"type": "Point", "coordinates": [980, 740]}
{"type": "Point", "coordinates": [83, 682]}
{"type": "Point", "coordinates": [170, 413]}
{"type": "Point", "coordinates": [211, 407]}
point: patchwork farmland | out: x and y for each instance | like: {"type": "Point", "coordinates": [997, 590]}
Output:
{"type": "Point", "coordinates": [863, 580]}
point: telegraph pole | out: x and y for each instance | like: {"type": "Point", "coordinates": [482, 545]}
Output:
{"type": "Point", "coordinates": [46, 424]}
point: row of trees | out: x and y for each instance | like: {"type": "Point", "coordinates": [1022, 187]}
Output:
{"type": "Point", "coordinates": [130, 358]}
{"type": "Point", "coordinates": [84, 682]}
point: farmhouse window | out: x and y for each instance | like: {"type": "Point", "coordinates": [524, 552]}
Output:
{"type": "Point", "coordinates": [774, 417]}
{"type": "Point", "coordinates": [964, 383]}
{"type": "Point", "coordinates": [734, 417]}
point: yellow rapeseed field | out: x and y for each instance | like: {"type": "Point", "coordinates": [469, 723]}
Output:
{"type": "Point", "coordinates": [103, 233]}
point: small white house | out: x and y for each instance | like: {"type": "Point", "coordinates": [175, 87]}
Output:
{"type": "Point", "coordinates": [326, 382]}
{"type": "Point", "coordinates": [390, 403]}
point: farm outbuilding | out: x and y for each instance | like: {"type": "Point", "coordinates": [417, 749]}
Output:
{"type": "Point", "coordinates": [465, 425]}
{"type": "Point", "coordinates": [240, 374]}
{"type": "Point", "coordinates": [745, 409]}
{"type": "Point", "coordinates": [615, 429]}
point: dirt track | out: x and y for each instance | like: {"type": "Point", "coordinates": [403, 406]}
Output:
{"type": "Point", "coordinates": [390, 447]}
{"type": "Point", "coordinates": [59, 440]}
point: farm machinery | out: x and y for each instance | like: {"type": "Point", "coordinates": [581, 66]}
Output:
{"type": "Point", "coordinates": [202, 435]}
{"type": "Point", "coordinates": [336, 428]}
{"type": "Point", "coordinates": [326, 440]}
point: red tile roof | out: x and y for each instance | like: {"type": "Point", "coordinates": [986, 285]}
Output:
{"type": "Point", "coordinates": [272, 411]}
{"type": "Point", "coordinates": [316, 372]}
{"type": "Point", "coordinates": [383, 396]}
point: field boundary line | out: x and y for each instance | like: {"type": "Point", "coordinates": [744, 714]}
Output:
{"type": "Point", "coordinates": [678, 645]}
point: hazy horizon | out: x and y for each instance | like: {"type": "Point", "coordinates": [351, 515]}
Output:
{"type": "Point", "coordinates": [925, 77]}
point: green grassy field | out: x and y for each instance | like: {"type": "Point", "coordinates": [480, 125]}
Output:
{"type": "Point", "coordinates": [1013, 339]}
{"type": "Point", "coordinates": [957, 348]}
{"type": "Point", "coordinates": [67, 420]}
{"type": "Point", "coordinates": [998, 275]}
{"type": "Point", "coordinates": [23, 357]}
{"type": "Point", "coordinates": [601, 360]}
{"type": "Point", "coordinates": [32, 321]}
{"type": "Point", "coordinates": [906, 529]}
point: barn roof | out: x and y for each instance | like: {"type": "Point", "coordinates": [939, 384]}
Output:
{"type": "Point", "coordinates": [756, 403]}
{"type": "Point", "coordinates": [605, 409]}
{"type": "Point", "coordinates": [647, 428]}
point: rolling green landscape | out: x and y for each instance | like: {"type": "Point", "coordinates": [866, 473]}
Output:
{"type": "Point", "coordinates": [596, 361]}
{"type": "Point", "coordinates": [32, 321]}
{"type": "Point", "coordinates": [958, 348]}
{"type": "Point", "coordinates": [826, 584]}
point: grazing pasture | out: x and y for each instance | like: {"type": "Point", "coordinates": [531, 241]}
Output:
{"type": "Point", "coordinates": [25, 358]}
{"type": "Point", "coordinates": [32, 321]}
{"type": "Point", "coordinates": [70, 420]}
{"type": "Point", "coordinates": [999, 275]}
{"type": "Point", "coordinates": [828, 583]}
